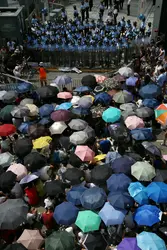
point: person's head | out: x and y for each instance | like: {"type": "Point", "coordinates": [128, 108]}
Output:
{"type": "Point", "coordinates": [75, 7]}
{"type": "Point", "coordinates": [147, 79]}
{"type": "Point", "coordinates": [15, 136]}
{"type": "Point", "coordinates": [162, 71]}
{"type": "Point", "coordinates": [3, 138]}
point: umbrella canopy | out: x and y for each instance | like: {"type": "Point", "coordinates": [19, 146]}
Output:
{"type": "Point", "coordinates": [89, 131]}
{"type": "Point", "coordinates": [26, 101]}
{"type": "Point", "coordinates": [122, 165]}
{"type": "Point", "coordinates": [118, 132]}
{"type": "Point", "coordinates": [143, 171]}
{"type": "Point", "coordinates": [128, 243]}
{"type": "Point", "coordinates": [19, 170]}
{"type": "Point", "coordinates": [131, 81]}
{"type": "Point", "coordinates": [138, 192]}
{"type": "Point", "coordinates": [65, 213]}
{"type": "Point", "coordinates": [77, 124]}
{"type": "Point", "coordinates": [88, 221]}
{"type": "Point", "coordinates": [74, 195]}
{"type": "Point", "coordinates": [133, 122]}
{"type": "Point", "coordinates": [93, 198]}
{"type": "Point", "coordinates": [31, 239]}
{"type": "Point", "coordinates": [147, 240]}
{"type": "Point", "coordinates": [111, 157]}
{"type": "Point", "coordinates": [128, 106]}
{"type": "Point", "coordinates": [111, 115]}
{"type": "Point", "coordinates": [150, 91]}
{"type": "Point", "coordinates": [34, 161]}
{"type": "Point", "coordinates": [61, 115]}
{"type": "Point", "coordinates": [20, 111]}
{"type": "Point", "coordinates": [95, 241]}
{"type": "Point", "coordinates": [100, 174]}
{"type": "Point", "coordinates": [118, 182]}
{"type": "Point", "coordinates": [151, 148]}
{"type": "Point", "coordinates": [45, 121]}
{"type": "Point", "coordinates": [103, 99]}
{"type": "Point", "coordinates": [33, 109]}
{"type": "Point", "coordinates": [123, 96]}
{"type": "Point", "coordinates": [111, 216]}
{"type": "Point", "coordinates": [29, 178]}
{"type": "Point", "coordinates": [85, 102]}
{"type": "Point", "coordinates": [82, 89]}
{"type": "Point", "coordinates": [161, 175]}
{"type": "Point", "coordinates": [127, 113]}
{"type": "Point", "coordinates": [13, 213]}
{"type": "Point", "coordinates": [62, 80]}
{"type": "Point", "coordinates": [47, 92]}
{"type": "Point", "coordinates": [5, 113]}
{"type": "Point", "coordinates": [74, 160]}
{"type": "Point", "coordinates": [157, 191]}
{"type": "Point", "coordinates": [84, 153]}
{"type": "Point", "coordinates": [120, 200]}
{"type": "Point", "coordinates": [2, 92]}
{"type": "Point", "coordinates": [36, 130]}
{"type": "Point", "coordinates": [23, 147]}
{"type": "Point", "coordinates": [9, 97]}
{"type": "Point", "coordinates": [60, 240]}
{"type": "Point", "coordinates": [42, 142]}
{"type": "Point", "coordinates": [114, 83]}
{"type": "Point", "coordinates": [144, 112]}
{"type": "Point", "coordinates": [46, 110]}
{"type": "Point", "coordinates": [7, 181]}
{"type": "Point", "coordinates": [134, 156]}
{"type": "Point", "coordinates": [89, 81]}
{"type": "Point", "coordinates": [79, 137]}
{"type": "Point", "coordinates": [74, 176]}
{"type": "Point", "coordinates": [147, 215]}
{"type": "Point", "coordinates": [15, 246]}
{"type": "Point", "coordinates": [125, 71]}
{"type": "Point", "coordinates": [79, 111]}
{"type": "Point", "coordinates": [161, 114]}
{"type": "Point", "coordinates": [150, 103]}
{"type": "Point", "coordinates": [24, 87]}
{"type": "Point", "coordinates": [7, 129]}
{"type": "Point", "coordinates": [52, 188]}
{"type": "Point", "coordinates": [64, 106]}
{"type": "Point", "coordinates": [64, 95]}
{"type": "Point", "coordinates": [6, 159]}
{"type": "Point", "coordinates": [142, 134]}
{"type": "Point", "coordinates": [57, 128]}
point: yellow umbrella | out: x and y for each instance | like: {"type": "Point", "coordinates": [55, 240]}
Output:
{"type": "Point", "coordinates": [42, 142]}
{"type": "Point", "coordinates": [99, 157]}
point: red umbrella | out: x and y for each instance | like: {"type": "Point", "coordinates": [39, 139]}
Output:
{"type": "Point", "coordinates": [7, 129]}
{"type": "Point", "coordinates": [61, 115]}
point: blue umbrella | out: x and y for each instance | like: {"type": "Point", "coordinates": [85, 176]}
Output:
{"type": "Point", "coordinates": [151, 103]}
{"type": "Point", "coordinates": [122, 165]}
{"type": "Point", "coordinates": [111, 115]}
{"type": "Point", "coordinates": [93, 198]}
{"type": "Point", "coordinates": [147, 215]}
{"type": "Point", "coordinates": [103, 98]}
{"type": "Point", "coordinates": [138, 192]}
{"type": "Point", "coordinates": [23, 128]}
{"type": "Point", "coordinates": [111, 157]}
{"type": "Point", "coordinates": [65, 105]}
{"type": "Point", "coordinates": [46, 110]}
{"type": "Point", "coordinates": [142, 134]}
{"type": "Point", "coordinates": [62, 80]}
{"type": "Point", "coordinates": [65, 213]}
{"type": "Point", "coordinates": [157, 191]}
{"type": "Point", "coordinates": [120, 200]}
{"type": "Point", "coordinates": [85, 102]}
{"type": "Point", "coordinates": [80, 111]}
{"type": "Point", "coordinates": [29, 178]}
{"type": "Point", "coordinates": [24, 87]}
{"type": "Point", "coordinates": [118, 182]}
{"type": "Point", "coordinates": [131, 81]}
{"type": "Point", "coordinates": [112, 216]}
{"type": "Point", "coordinates": [44, 121]}
{"type": "Point", "coordinates": [150, 91]}
{"type": "Point", "coordinates": [74, 195]}
{"type": "Point", "coordinates": [82, 89]}
{"type": "Point", "coordinates": [150, 241]}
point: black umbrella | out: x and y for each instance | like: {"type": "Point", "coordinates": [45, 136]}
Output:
{"type": "Point", "coordinates": [7, 181]}
{"type": "Point", "coordinates": [74, 176]}
{"type": "Point", "coordinates": [119, 133]}
{"type": "Point", "coordinates": [151, 148]}
{"type": "Point", "coordinates": [36, 130]}
{"type": "Point", "coordinates": [134, 156]}
{"type": "Point", "coordinates": [15, 246]}
{"type": "Point", "coordinates": [34, 161]}
{"type": "Point", "coordinates": [52, 188]}
{"type": "Point", "coordinates": [23, 147]}
{"type": "Point", "coordinates": [95, 241]}
{"type": "Point", "coordinates": [161, 175]}
{"type": "Point", "coordinates": [47, 92]}
{"type": "Point", "coordinates": [74, 160]}
{"type": "Point", "coordinates": [89, 81]}
{"type": "Point", "coordinates": [65, 142]}
{"type": "Point", "coordinates": [100, 174]}
{"type": "Point", "coordinates": [10, 97]}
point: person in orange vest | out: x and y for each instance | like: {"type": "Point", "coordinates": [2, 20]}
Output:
{"type": "Point", "coordinates": [42, 75]}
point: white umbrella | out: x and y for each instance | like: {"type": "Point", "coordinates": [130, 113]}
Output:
{"type": "Point", "coordinates": [33, 109]}
{"type": "Point", "coordinates": [125, 71]}
{"type": "Point", "coordinates": [26, 101]}
{"type": "Point", "coordinates": [75, 100]}
{"type": "Point", "coordinates": [2, 93]}
{"type": "Point", "coordinates": [57, 128]}
{"type": "Point", "coordinates": [143, 171]}
{"type": "Point", "coordinates": [79, 138]}
{"type": "Point", "coordinates": [6, 159]}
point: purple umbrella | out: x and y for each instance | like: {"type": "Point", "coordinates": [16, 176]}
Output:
{"type": "Point", "coordinates": [61, 115]}
{"type": "Point", "coordinates": [29, 178]}
{"type": "Point", "coordinates": [122, 165]}
{"type": "Point", "coordinates": [128, 243]}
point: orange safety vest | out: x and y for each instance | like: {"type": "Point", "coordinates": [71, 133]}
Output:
{"type": "Point", "coordinates": [42, 73]}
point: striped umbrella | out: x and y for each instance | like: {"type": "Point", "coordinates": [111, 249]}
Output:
{"type": "Point", "coordinates": [161, 114]}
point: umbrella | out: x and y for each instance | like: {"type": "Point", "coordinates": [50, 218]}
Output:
{"type": "Point", "coordinates": [151, 148]}
{"type": "Point", "coordinates": [15, 246]}
{"type": "Point", "coordinates": [150, 91]}
{"type": "Point", "coordinates": [29, 178]}
{"type": "Point", "coordinates": [46, 110]}
{"type": "Point", "coordinates": [79, 111]}
{"type": "Point", "coordinates": [142, 134]}
{"type": "Point", "coordinates": [125, 71]}
{"type": "Point", "coordinates": [161, 175]}
{"type": "Point", "coordinates": [111, 216]}
{"type": "Point", "coordinates": [7, 129]}
{"type": "Point", "coordinates": [100, 174]}
{"type": "Point", "coordinates": [127, 113]}
{"type": "Point", "coordinates": [147, 215]}
{"type": "Point", "coordinates": [75, 99]}
{"type": "Point", "coordinates": [26, 101]}
{"type": "Point", "coordinates": [150, 103]}
{"type": "Point", "coordinates": [31, 239]}
{"type": "Point", "coordinates": [47, 92]}
{"type": "Point", "coordinates": [134, 156]}
{"type": "Point", "coordinates": [20, 111]}
{"type": "Point", "coordinates": [23, 147]}
{"type": "Point", "coordinates": [42, 142]}
{"type": "Point", "coordinates": [60, 240]}
{"type": "Point", "coordinates": [61, 115]}
{"type": "Point", "coordinates": [85, 102]}
{"type": "Point", "coordinates": [5, 113]}
{"type": "Point", "coordinates": [79, 137]}
{"type": "Point", "coordinates": [62, 80]}
{"type": "Point", "coordinates": [161, 114]}
{"type": "Point", "coordinates": [77, 124]}
{"type": "Point", "coordinates": [100, 78]}
{"type": "Point", "coordinates": [52, 188]}
{"type": "Point", "coordinates": [147, 240]}
{"type": "Point", "coordinates": [74, 194]}
{"type": "Point", "coordinates": [138, 192]}
{"type": "Point", "coordinates": [122, 165]}
{"type": "Point", "coordinates": [24, 87]}
{"type": "Point", "coordinates": [118, 132]}
{"type": "Point", "coordinates": [118, 182]}
{"type": "Point", "coordinates": [103, 99]}
{"type": "Point", "coordinates": [36, 130]}
{"type": "Point", "coordinates": [64, 106]}
{"type": "Point", "coordinates": [128, 106]}
{"type": "Point", "coordinates": [57, 128]}
{"type": "Point", "coordinates": [113, 83]}
{"type": "Point", "coordinates": [131, 81]}
{"type": "Point", "coordinates": [133, 122]}
{"type": "Point", "coordinates": [64, 95]}
{"type": "Point", "coordinates": [44, 121]}
{"type": "Point", "coordinates": [120, 200]}
{"type": "Point", "coordinates": [111, 115]}
{"type": "Point", "coordinates": [6, 159]}
{"type": "Point", "coordinates": [33, 109]}
{"type": "Point", "coordinates": [7, 181]}
{"type": "Point", "coordinates": [2, 93]}
{"type": "Point", "coordinates": [9, 97]}
{"type": "Point", "coordinates": [23, 128]}
{"type": "Point", "coordinates": [99, 157]}
{"type": "Point", "coordinates": [82, 89]}
{"type": "Point", "coordinates": [74, 160]}
{"type": "Point", "coordinates": [19, 170]}
{"type": "Point", "coordinates": [143, 171]}
{"type": "Point", "coordinates": [74, 176]}
{"type": "Point", "coordinates": [88, 221]}
{"type": "Point", "coordinates": [93, 198]}
{"type": "Point", "coordinates": [34, 161]}
{"type": "Point", "coordinates": [89, 131]}
{"type": "Point", "coordinates": [65, 213]}
{"type": "Point", "coordinates": [95, 240]}
{"type": "Point", "coordinates": [123, 96]}
{"type": "Point", "coordinates": [84, 153]}
{"type": "Point", "coordinates": [64, 142]}
{"type": "Point", "coordinates": [157, 191]}
{"type": "Point", "coordinates": [89, 81]}
{"type": "Point", "coordinates": [13, 213]}
{"type": "Point", "coordinates": [144, 112]}
{"type": "Point", "coordinates": [128, 243]}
